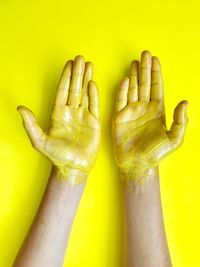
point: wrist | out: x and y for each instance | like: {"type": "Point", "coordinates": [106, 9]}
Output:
{"type": "Point", "coordinates": [138, 175]}
{"type": "Point", "coordinates": [71, 175]}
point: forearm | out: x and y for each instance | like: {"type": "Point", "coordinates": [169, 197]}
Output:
{"type": "Point", "coordinates": [48, 236]}
{"type": "Point", "coordinates": [144, 238]}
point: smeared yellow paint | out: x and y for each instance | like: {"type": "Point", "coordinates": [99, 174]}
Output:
{"type": "Point", "coordinates": [72, 140]}
{"type": "Point", "coordinates": [141, 139]}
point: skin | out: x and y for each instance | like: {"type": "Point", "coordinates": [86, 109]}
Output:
{"type": "Point", "coordinates": [71, 143]}
{"type": "Point", "coordinates": [72, 140]}
{"type": "Point", "coordinates": [141, 140]}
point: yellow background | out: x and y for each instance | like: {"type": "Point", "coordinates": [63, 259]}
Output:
{"type": "Point", "coordinates": [36, 38]}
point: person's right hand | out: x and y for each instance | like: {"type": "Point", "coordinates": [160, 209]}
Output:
{"type": "Point", "coordinates": [72, 140]}
{"type": "Point", "coordinates": [141, 139]}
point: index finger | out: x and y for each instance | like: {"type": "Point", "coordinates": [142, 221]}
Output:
{"type": "Point", "coordinates": [63, 86]}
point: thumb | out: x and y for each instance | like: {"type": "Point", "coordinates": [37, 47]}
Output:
{"type": "Point", "coordinates": [178, 127]}
{"type": "Point", "coordinates": [35, 133]}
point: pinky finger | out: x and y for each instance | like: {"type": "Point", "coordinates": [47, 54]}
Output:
{"type": "Point", "coordinates": [93, 99]}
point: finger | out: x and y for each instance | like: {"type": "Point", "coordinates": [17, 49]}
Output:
{"type": "Point", "coordinates": [63, 86]}
{"type": "Point", "coordinates": [87, 77]}
{"type": "Point", "coordinates": [156, 80]}
{"type": "Point", "coordinates": [121, 100]}
{"type": "Point", "coordinates": [93, 99]}
{"type": "Point", "coordinates": [76, 82]}
{"type": "Point", "coordinates": [177, 130]}
{"type": "Point", "coordinates": [145, 76]}
{"type": "Point", "coordinates": [133, 87]}
{"type": "Point", "coordinates": [35, 133]}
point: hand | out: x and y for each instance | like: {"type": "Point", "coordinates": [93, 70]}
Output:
{"type": "Point", "coordinates": [141, 139]}
{"type": "Point", "coordinates": [72, 140]}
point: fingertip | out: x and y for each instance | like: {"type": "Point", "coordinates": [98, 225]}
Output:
{"type": "Point", "coordinates": [79, 65]}
{"type": "Point", "coordinates": [185, 102]}
{"type": "Point", "coordinates": [144, 75]}
{"type": "Point", "coordinates": [79, 58]}
{"type": "Point", "coordinates": [182, 105]}
{"type": "Point", "coordinates": [92, 83]}
{"type": "Point", "coordinates": [68, 63]}
{"type": "Point", "coordinates": [146, 52]}
{"type": "Point", "coordinates": [155, 58]}
{"type": "Point", "coordinates": [155, 63]}
{"type": "Point", "coordinates": [125, 83]}
{"type": "Point", "coordinates": [93, 98]}
{"type": "Point", "coordinates": [180, 115]}
{"type": "Point", "coordinates": [185, 106]}
{"type": "Point", "coordinates": [89, 68]}
{"type": "Point", "coordinates": [145, 58]}
{"type": "Point", "coordinates": [134, 62]}
{"type": "Point", "coordinates": [67, 68]}
{"type": "Point", "coordinates": [93, 88]}
{"type": "Point", "coordinates": [89, 64]}
{"type": "Point", "coordinates": [134, 68]}
{"type": "Point", "coordinates": [21, 109]}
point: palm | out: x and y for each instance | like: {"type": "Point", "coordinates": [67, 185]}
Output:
{"type": "Point", "coordinates": [73, 137]}
{"type": "Point", "coordinates": [140, 133]}
{"type": "Point", "coordinates": [140, 136]}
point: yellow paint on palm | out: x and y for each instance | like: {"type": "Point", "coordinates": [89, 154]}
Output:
{"type": "Point", "coordinates": [72, 140]}
{"type": "Point", "coordinates": [141, 139]}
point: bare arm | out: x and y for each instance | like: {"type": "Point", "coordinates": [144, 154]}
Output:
{"type": "Point", "coordinates": [48, 237]}
{"type": "Point", "coordinates": [144, 234]}
{"type": "Point", "coordinates": [71, 144]}
{"type": "Point", "coordinates": [141, 141]}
